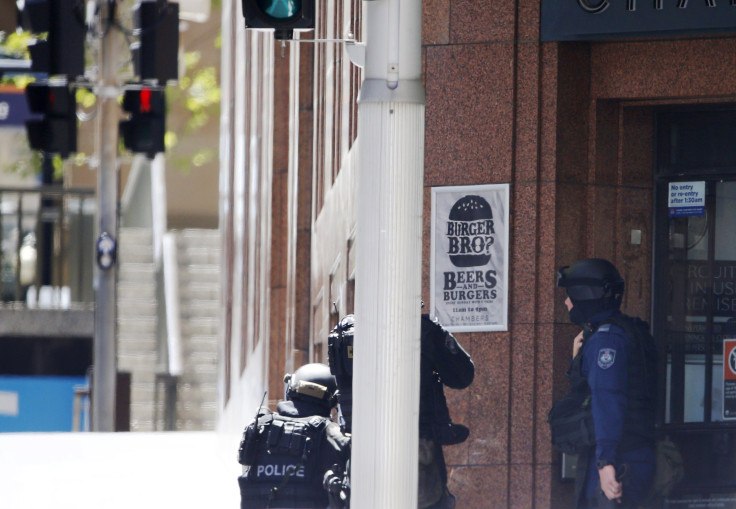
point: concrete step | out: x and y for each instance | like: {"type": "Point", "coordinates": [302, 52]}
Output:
{"type": "Point", "coordinates": [135, 232]}
{"type": "Point", "coordinates": [139, 362]}
{"type": "Point", "coordinates": [137, 324]}
{"type": "Point", "coordinates": [128, 342]}
{"type": "Point", "coordinates": [128, 290]}
{"type": "Point", "coordinates": [200, 274]}
{"type": "Point", "coordinates": [200, 358]}
{"type": "Point", "coordinates": [200, 309]}
{"type": "Point", "coordinates": [199, 326]}
{"type": "Point", "coordinates": [135, 254]}
{"type": "Point", "coordinates": [198, 290]}
{"type": "Point", "coordinates": [199, 235]}
{"type": "Point", "coordinates": [197, 391]}
{"type": "Point", "coordinates": [134, 269]}
{"type": "Point", "coordinates": [141, 308]}
{"type": "Point", "coordinates": [200, 255]}
{"type": "Point", "coordinates": [203, 343]}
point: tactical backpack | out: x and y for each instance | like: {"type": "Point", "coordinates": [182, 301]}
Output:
{"type": "Point", "coordinates": [571, 417]}
{"type": "Point", "coordinates": [571, 423]}
{"type": "Point", "coordinates": [668, 472]}
{"type": "Point", "coordinates": [281, 455]}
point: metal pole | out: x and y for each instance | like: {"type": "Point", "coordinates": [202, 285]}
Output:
{"type": "Point", "coordinates": [388, 282]}
{"type": "Point", "coordinates": [105, 370]}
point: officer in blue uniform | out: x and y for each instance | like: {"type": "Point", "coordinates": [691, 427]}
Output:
{"type": "Point", "coordinates": [615, 354]}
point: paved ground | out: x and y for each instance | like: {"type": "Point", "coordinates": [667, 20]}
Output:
{"type": "Point", "coordinates": [176, 470]}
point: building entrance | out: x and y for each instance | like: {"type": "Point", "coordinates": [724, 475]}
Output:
{"type": "Point", "coordinates": [694, 297]}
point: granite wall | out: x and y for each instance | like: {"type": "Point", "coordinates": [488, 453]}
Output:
{"type": "Point", "coordinates": [570, 126]}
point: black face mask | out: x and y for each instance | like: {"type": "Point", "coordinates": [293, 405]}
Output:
{"type": "Point", "coordinates": [584, 310]}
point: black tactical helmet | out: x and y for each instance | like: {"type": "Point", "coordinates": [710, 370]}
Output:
{"type": "Point", "coordinates": [593, 285]}
{"type": "Point", "coordinates": [312, 383]}
{"type": "Point", "coordinates": [340, 348]}
{"type": "Point", "coordinates": [340, 354]}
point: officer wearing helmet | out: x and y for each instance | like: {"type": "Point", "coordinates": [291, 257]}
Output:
{"type": "Point", "coordinates": [285, 454]}
{"type": "Point", "coordinates": [614, 359]}
{"type": "Point", "coordinates": [443, 363]}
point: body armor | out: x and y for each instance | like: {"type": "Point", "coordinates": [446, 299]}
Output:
{"type": "Point", "coordinates": [282, 459]}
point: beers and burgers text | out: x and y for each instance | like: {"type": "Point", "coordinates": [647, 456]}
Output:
{"type": "Point", "coordinates": [469, 285]}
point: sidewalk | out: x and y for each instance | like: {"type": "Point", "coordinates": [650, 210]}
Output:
{"type": "Point", "coordinates": [176, 470]}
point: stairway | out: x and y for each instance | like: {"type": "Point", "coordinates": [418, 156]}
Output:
{"type": "Point", "coordinates": [137, 321]}
{"type": "Point", "coordinates": [198, 256]}
{"type": "Point", "coordinates": [199, 290]}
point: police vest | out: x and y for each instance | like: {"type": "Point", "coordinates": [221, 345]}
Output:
{"type": "Point", "coordinates": [282, 459]}
{"type": "Point", "coordinates": [638, 428]}
{"type": "Point", "coordinates": [571, 419]}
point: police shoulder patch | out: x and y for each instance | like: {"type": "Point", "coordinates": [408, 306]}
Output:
{"type": "Point", "coordinates": [606, 357]}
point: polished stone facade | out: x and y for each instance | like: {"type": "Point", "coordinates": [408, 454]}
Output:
{"type": "Point", "coordinates": [570, 126]}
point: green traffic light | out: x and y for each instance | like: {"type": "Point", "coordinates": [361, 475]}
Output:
{"type": "Point", "coordinates": [280, 9]}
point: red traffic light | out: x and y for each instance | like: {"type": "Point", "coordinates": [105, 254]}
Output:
{"type": "Point", "coordinates": [56, 131]}
{"type": "Point", "coordinates": [144, 131]}
{"type": "Point", "coordinates": [145, 100]}
{"type": "Point", "coordinates": [49, 99]}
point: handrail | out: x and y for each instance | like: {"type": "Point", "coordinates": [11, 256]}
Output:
{"type": "Point", "coordinates": [46, 240]}
{"type": "Point", "coordinates": [48, 189]}
{"type": "Point", "coordinates": [171, 290]}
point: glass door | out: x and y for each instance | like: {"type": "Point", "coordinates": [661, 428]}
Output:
{"type": "Point", "coordinates": [694, 297]}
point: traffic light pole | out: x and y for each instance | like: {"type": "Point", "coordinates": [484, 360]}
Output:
{"type": "Point", "coordinates": [105, 366]}
{"type": "Point", "coordinates": [388, 284]}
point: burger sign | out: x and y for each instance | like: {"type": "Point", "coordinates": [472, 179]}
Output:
{"type": "Point", "coordinates": [470, 257]}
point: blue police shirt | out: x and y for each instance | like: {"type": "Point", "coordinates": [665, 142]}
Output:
{"type": "Point", "coordinates": [605, 366]}
{"type": "Point", "coordinates": [605, 358]}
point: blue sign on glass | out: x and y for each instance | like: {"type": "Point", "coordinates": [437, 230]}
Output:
{"type": "Point", "coordinates": [686, 199]}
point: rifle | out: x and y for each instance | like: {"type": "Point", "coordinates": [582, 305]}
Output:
{"type": "Point", "coordinates": [249, 444]}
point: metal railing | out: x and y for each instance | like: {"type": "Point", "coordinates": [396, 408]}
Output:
{"type": "Point", "coordinates": [46, 242]}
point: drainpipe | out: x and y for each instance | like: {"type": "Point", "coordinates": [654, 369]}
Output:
{"type": "Point", "coordinates": [388, 281]}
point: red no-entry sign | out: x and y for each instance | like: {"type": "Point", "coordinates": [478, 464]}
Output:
{"type": "Point", "coordinates": [729, 378]}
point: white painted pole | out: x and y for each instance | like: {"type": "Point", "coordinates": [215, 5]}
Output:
{"type": "Point", "coordinates": [388, 281]}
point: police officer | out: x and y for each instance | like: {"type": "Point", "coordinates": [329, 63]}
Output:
{"type": "Point", "coordinates": [443, 362]}
{"type": "Point", "coordinates": [615, 355]}
{"type": "Point", "coordinates": [286, 454]}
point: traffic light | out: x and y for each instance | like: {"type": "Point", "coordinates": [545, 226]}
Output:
{"type": "Point", "coordinates": [283, 16]}
{"type": "Point", "coordinates": [56, 131]}
{"type": "Point", "coordinates": [155, 54]}
{"type": "Point", "coordinates": [144, 131]}
{"type": "Point", "coordinates": [62, 52]}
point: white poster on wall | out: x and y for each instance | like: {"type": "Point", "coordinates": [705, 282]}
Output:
{"type": "Point", "coordinates": [469, 257]}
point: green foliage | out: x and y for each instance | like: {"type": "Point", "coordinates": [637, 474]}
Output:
{"type": "Point", "coordinates": [85, 98]}
{"type": "Point", "coordinates": [198, 93]}
{"type": "Point", "coordinates": [15, 45]}
{"type": "Point", "coordinates": [27, 165]}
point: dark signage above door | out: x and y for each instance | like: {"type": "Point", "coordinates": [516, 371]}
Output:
{"type": "Point", "coordinates": [572, 20]}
